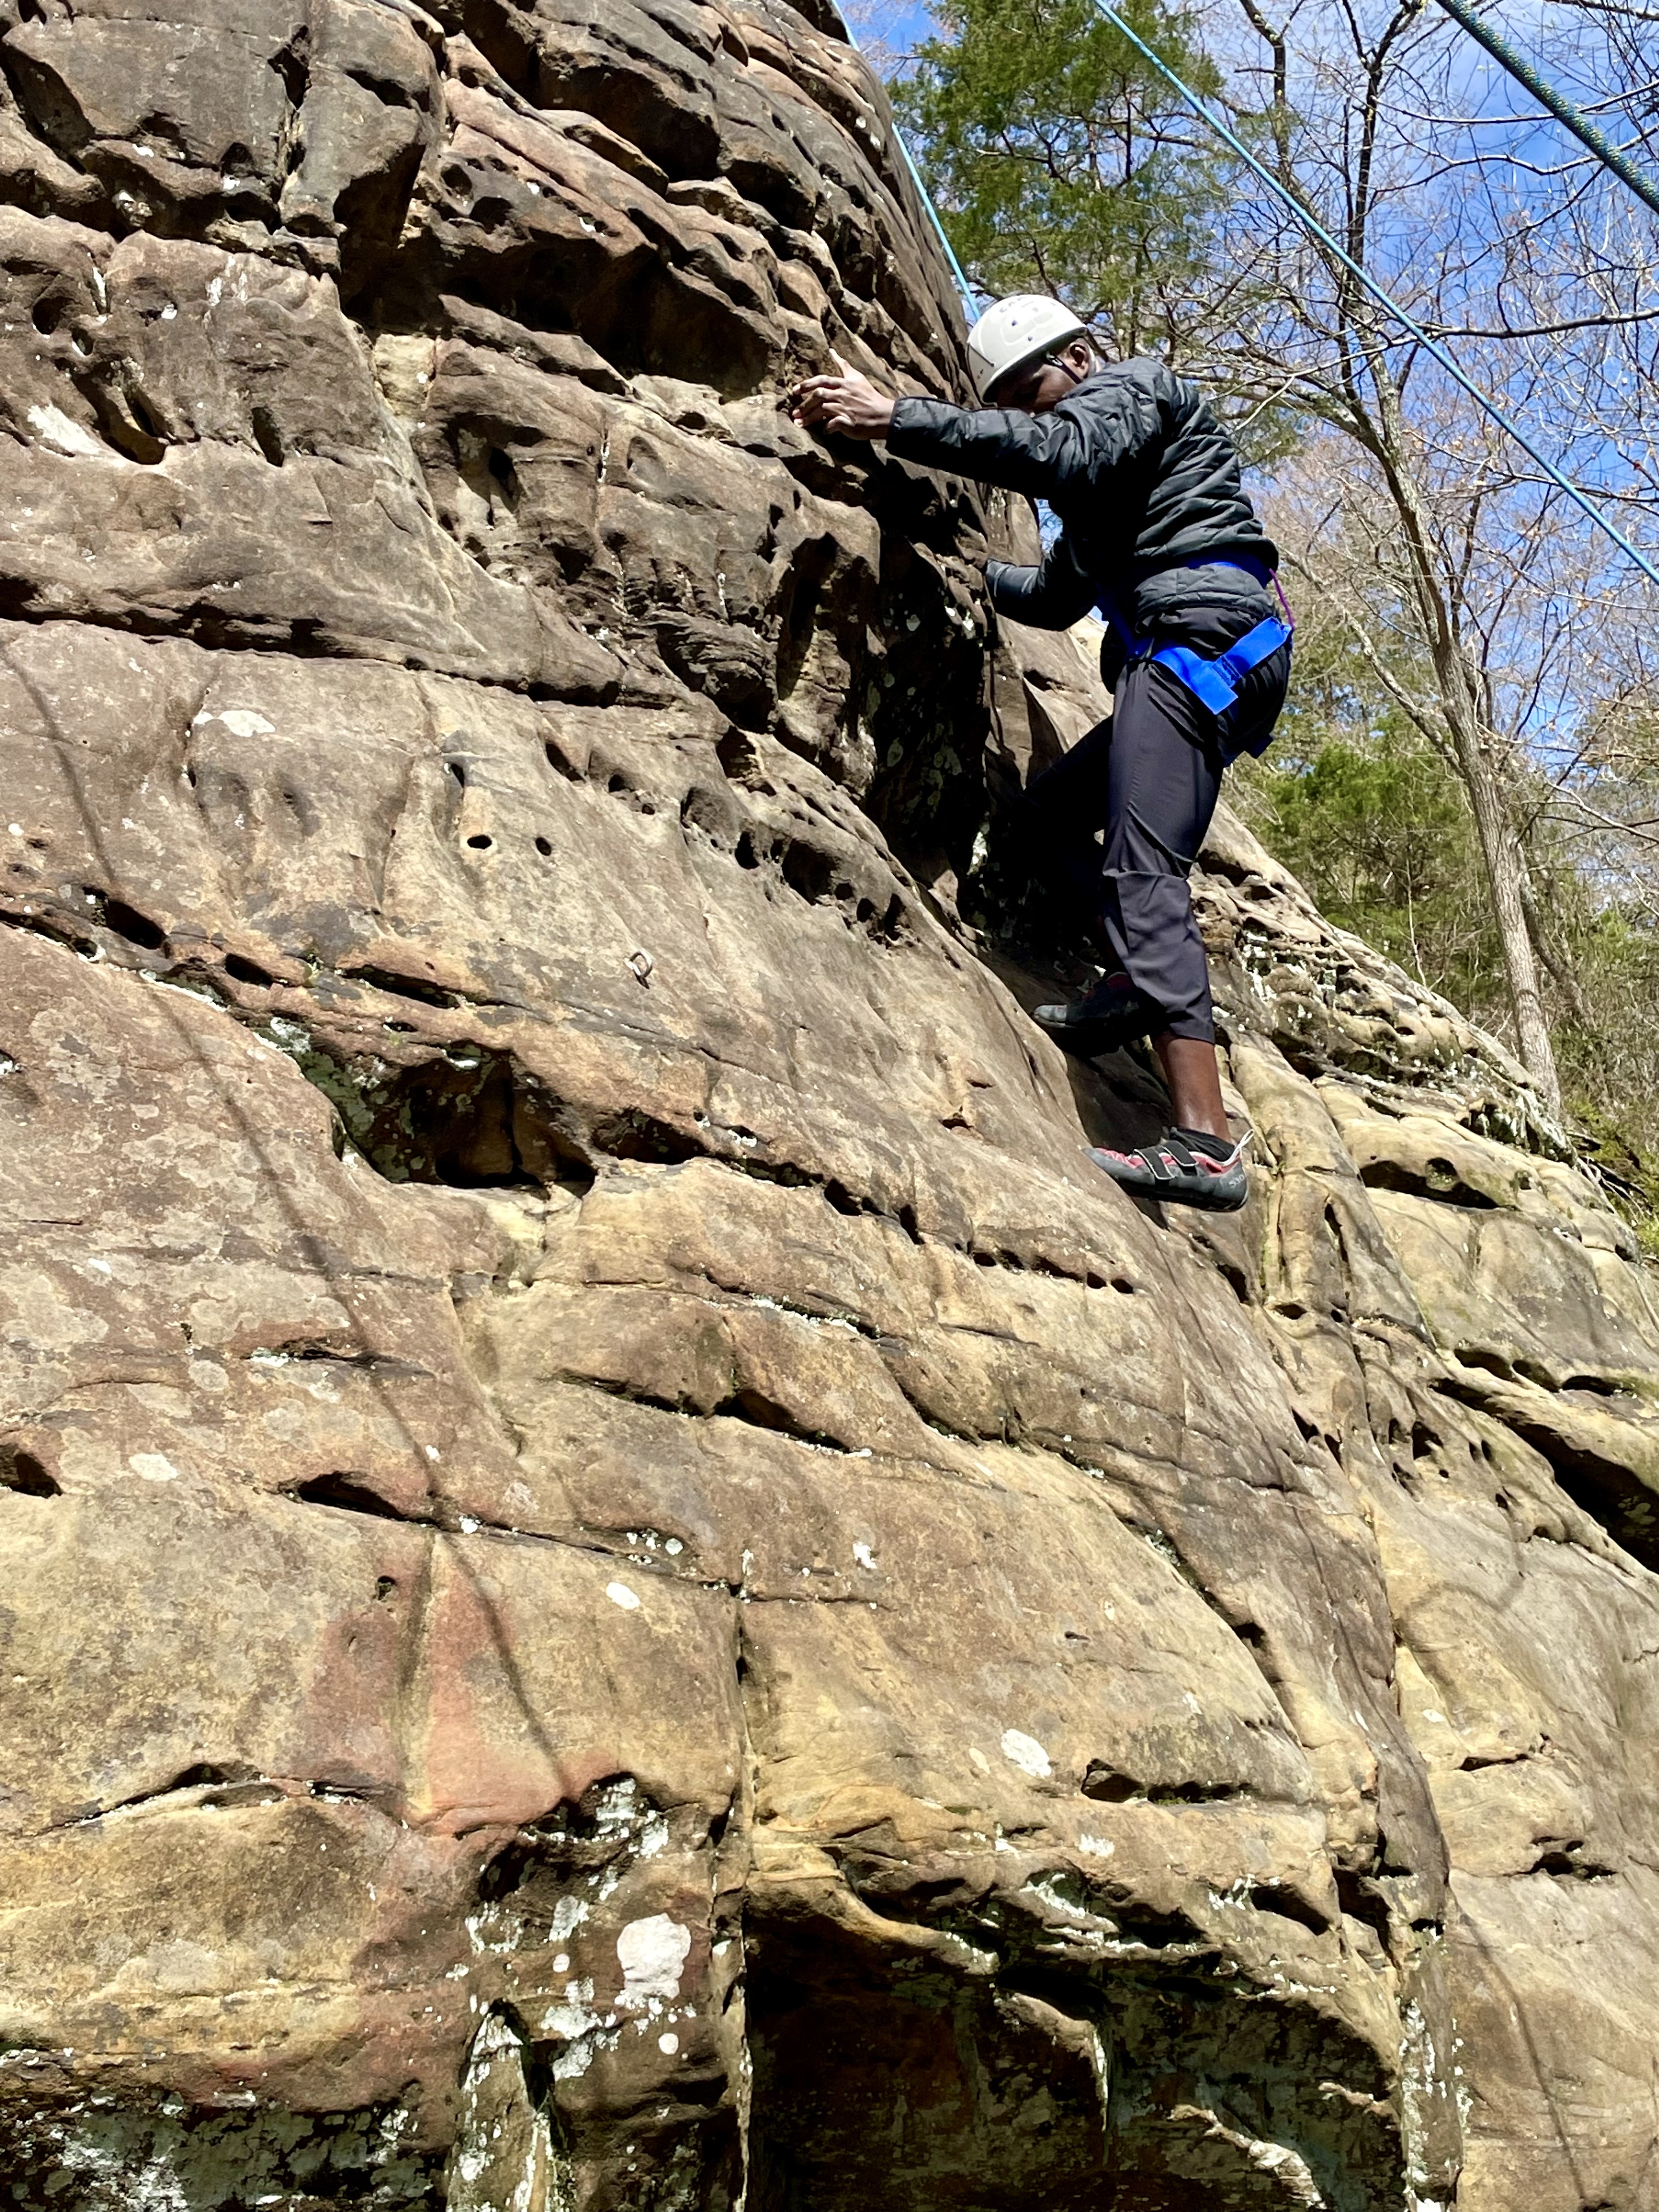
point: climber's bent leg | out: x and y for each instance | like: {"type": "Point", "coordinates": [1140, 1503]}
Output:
{"type": "Point", "coordinates": [1145, 775]}
{"type": "Point", "coordinates": [1061, 813]}
{"type": "Point", "coordinates": [1165, 781]}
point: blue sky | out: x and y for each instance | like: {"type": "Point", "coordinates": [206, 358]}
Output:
{"type": "Point", "coordinates": [887, 27]}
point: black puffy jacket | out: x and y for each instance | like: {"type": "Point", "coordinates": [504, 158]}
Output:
{"type": "Point", "coordinates": [1143, 478]}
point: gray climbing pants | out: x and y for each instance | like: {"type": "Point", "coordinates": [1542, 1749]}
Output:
{"type": "Point", "coordinates": [1150, 778]}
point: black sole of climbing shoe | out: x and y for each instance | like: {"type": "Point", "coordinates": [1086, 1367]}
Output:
{"type": "Point", "coordinates": [1227, 1193]}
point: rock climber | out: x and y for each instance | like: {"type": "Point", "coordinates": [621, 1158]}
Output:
{"type": "Point", "coordinates": [1157, 531]}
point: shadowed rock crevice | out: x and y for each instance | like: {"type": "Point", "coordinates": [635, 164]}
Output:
{"type": "Point", "coordinates": [338, 2158]}
{"type": "Point", "coordinates": [1607, 1466]}
{"type": "Point", "coordinates": [351, 1494]}
{"type": "Point", "coordinates": [469, 1117]}
{"type": "Point", "coordinates": [22, 1472]}
{"type": "Point", "coordinates": [926, 2089]}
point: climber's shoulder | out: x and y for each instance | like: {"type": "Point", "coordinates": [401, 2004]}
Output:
{"type": "Point", "coordinates": [1130, 382]}
{"type": "Point", "coordinates": [1146, 387]}
{"type": "Point", "coordinates": [1125, 407]}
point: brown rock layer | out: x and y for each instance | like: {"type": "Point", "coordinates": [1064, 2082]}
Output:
{"type": "Point", "coordinates": [627, 1584]}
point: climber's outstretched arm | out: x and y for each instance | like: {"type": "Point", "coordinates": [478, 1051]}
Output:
{"type": "Point", "coordinates": [1051, 597]}
{"type": "Point", "coordinates": [1106, 427]}
{"type": "Point", "coordinates": [1041, 455]}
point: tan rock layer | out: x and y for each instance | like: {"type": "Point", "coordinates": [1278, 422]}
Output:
{"type": "Point", "coordinates": [626, 1582]}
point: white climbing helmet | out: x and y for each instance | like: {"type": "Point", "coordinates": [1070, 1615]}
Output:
{"type": "Point", "coordinates": [1016, 331]}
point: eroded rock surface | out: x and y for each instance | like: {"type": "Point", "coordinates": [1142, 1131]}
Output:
{"type": "Point", "coordinates": [626, 1582]}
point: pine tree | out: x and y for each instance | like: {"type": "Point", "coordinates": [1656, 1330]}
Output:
{"type": "Point", "coordinates": [1063, 164]}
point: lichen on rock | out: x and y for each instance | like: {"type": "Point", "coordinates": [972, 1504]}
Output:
{"type": "Point", "coordinates": [627, 1583]}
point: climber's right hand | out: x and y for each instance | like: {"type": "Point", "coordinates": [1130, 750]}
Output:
{"type": "Point", "coordinates": [848, 404]}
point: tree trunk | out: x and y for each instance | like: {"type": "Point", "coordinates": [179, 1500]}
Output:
{"type": "Point", "coordinates": [1459, 690]}
{"type": "Point", "coordinates": [1554, 955]}
{"type": "Point", "coordinates": [1500, 849]}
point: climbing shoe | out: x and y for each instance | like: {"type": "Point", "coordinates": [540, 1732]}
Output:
{"type": "Point", "coordinates": [1113, 1015]}
{"type": "Point", "coordinates": [1185, 1168]}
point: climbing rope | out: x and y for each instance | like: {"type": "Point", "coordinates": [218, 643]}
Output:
{"type": "Point", "coordinates": [1432, 346]}
{"type": "Point", "coordinates": [1311, 223]}
{"type": "Point", "coordinates": [1563, 109]}
{"type": "Point", "coordinates": [970, 300]}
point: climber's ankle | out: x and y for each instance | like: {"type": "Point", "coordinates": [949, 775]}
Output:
{"type": "Point", "coordinates": [1194, 1082]}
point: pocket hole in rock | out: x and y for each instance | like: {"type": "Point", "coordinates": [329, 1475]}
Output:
{"type": "Point", "coordinates": [126, 921]}
{"type": "Point", "coordinates": [1290, 1906]}
{"type": "Point", "coordinates": [206, 1776]}
{"type": "Point", "coordinates": [21, 1471]}
{"type": "Point", "coordinates": [1107, 1786]}
{"type": "Point", "coordinates": [466, 1116]}
{"type": "Point", "coordinates": [267, 436]}
{"type": "Point", "coordinates": [349, 1492]}
{"type": "Point", "coordinates": [807, 870]}
{"type": "Point", "coordinates": [402, 987]}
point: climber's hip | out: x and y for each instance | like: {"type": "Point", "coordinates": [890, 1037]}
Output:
{"type": "Point", "coordinates": [1149, 779]}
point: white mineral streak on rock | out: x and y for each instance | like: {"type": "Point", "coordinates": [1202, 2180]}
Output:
{"type": "Point", "coordinates": [652, 1953]}
{"type": "Point", "coordinates": [505, 2157]}
{"type": "Point", "coordinates": [1027, 1753]}
{"type": "Point", "coordinates": [55, 428]}
{"type": "Point", "coordinates": [569, 1915]}
{"type": "Point", "coordinates": [154, 1467]}
{"type": "Point", "coordinates": [1286, 2167]}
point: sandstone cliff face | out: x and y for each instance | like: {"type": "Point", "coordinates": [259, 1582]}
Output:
{"type": "Point", "coordinates": [625, 1580]}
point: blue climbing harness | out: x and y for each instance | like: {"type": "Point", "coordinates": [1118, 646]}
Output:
{"type": "Point", "coordinates": [1214, 683]}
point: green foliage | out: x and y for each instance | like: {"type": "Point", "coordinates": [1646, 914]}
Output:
{"type": "Point", "coordinates": [1610, 1073]}
{"type": "Point", "coordinates": [1061, 163]}
{"type": "Point", "coordinates": [1359, 804]}
{"type": "Point", "coordinates": [1376, 826]}
{"type": "Point", "coordinates": [1380, 832]}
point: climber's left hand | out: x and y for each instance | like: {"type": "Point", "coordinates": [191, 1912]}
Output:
{"type": "Point", "coordinates": [848, 404]}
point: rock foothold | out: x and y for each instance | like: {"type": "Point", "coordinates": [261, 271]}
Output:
{"type": "Point", "coordinates": [624, 1580]}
